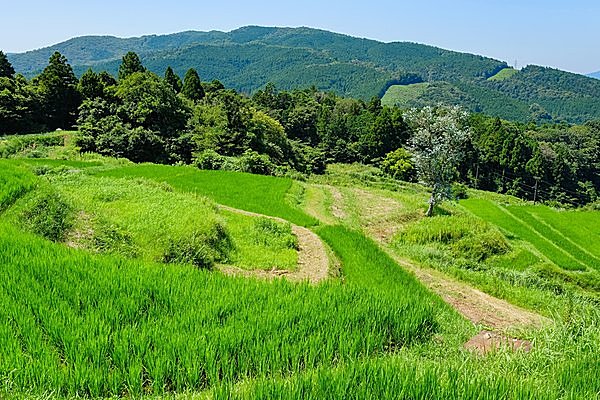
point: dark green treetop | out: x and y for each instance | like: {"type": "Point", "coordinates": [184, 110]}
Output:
{"type": "Point", "coordinates": [131, 63]}
{"type": "Point", "coordinates": [57, 85]}
{"type": "Point", "coordinates": [192, 86]}
{"type": "Point", "coordinates": [173, 80]}
{"type": "Point", "coordinates": [6, 69]}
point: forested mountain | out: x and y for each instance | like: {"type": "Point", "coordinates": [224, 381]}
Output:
{"type": "Point", "coordinates": [248, 58]}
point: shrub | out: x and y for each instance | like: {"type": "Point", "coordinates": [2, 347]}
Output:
{"type": "Point", "coordinates": [459, 191]}
{"type": "Point", "coordinates": [482, 246]}
{"type": "Point", "coordinates": [200, 249]}
{"type": "Point", "coordinates": [399, 165]}
{"type": "Point", "coordinates": [209, 159]}
{"type": "Point", "coordinates": [268, 232]}
{"type": "Point", "coordinates": [48, 214]}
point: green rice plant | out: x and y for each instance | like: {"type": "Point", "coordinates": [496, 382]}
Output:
{"type": "Point", "coordinates": [256, 193]}
{"type": "Point", "coordinates": [569, 247]}
{"type": "Point", "coordinates": [582, 227]}
{"type": "Point", "coordinates": [364, 264]}
{"type": "Point", "coordinates": [510, 219]}
{"type": "Point", "coordinates": [15, 182]}
{"type": "Point", "coordinates": [105, 326]}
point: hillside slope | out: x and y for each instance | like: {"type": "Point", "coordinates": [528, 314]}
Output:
{"type": "Point", "coordinates": [250, 57]}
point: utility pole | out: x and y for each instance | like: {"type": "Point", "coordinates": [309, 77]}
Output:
{"type": "Point", "coordinates": [535, 189]}
{"type": "Point", "coordinates": [477, 177]}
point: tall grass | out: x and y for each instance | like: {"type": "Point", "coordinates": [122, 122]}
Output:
{"type": "Point", "coordinates": [74, 323]}
{"type": "Point", "coordinates": [15, 181]}
{"type": "Point", "coordinates": [256, 193]}
{"type": "Point", "coordinates": [34, 145]}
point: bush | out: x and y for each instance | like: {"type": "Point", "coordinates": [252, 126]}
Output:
{"type": "Point", "coordinates": [270, 233]}
{"type": "Point", "coordinates": [459, 191]}
{"type": "Point", "coordinates": [201, 249]}
{"type": "Point", "coordinates": [48, 214]}
{"type": "Point", "coordinates": [255, 163]}
{"type": "Point", "coordinates": [482, 246]}
{"type": "Point", "coordinates": [399, 165]}
{"type": "Point", "coordinates": [209, 159]}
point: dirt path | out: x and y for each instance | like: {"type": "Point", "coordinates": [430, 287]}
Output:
{"type": "Point", "coordinates": [313, 260]}
{"type": "Point", "coordinates": [337, 207]}
{"type": "Point", "coordinates": [379, 222]}
{"type": "Point", "coordinates": [478, 307]}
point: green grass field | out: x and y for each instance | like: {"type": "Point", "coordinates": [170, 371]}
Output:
{"type": "Point", "coordinates": [403, 95]}
{"type": "Point", "coordinates": [87, 323]}
{"type": "Point", "coordinates": [256, 193]}
{"type": "Point", "coordinates": [503, 74]}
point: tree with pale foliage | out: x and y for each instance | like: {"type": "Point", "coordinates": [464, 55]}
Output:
{"type": "Point", "coordinates": [438, 145]}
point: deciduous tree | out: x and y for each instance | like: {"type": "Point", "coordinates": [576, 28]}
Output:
{"type": "Point", "coordinates": [440, 136]}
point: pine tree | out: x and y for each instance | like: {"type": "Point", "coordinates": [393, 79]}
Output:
{"type": "Point", "coordinates": [6, 69]}
{"type": "Point", "coordinates": [192, 86]}
{"type": "Point", "coordinates": [173, 80]}
{"type": "Point", "coordinates": [57, 85]}
{"type": "Point", "coordinates": [131, 63]}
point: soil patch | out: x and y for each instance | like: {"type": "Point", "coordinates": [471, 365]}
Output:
{"type": "Point", "coordinates": [337, 206]}
{"type": "Point", "coordinates": [475, 305]}
{"type": "Point", "coordinates": [486, 341]}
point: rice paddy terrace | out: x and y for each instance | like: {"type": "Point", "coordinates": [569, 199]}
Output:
{"type": "Point", "coordinates": [115, 283]}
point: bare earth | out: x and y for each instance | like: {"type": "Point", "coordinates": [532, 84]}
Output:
{"type": "Point", "coordinates": [313, 261]}
{"type": "Point", "coordinates": [487, 341]}
{"type": "Point", "coordinates": [477, 306]}
{"type": "Point", "coordinates": [337, 208]}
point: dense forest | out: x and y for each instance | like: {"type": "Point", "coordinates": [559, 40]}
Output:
{"type": "Point", "coordinates": [142, 116]}
{"type": "Point", "coordinates": [248, 58]}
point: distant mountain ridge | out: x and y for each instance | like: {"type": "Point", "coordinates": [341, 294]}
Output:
{"type": "Point", "coordinates": [595, 75]}
{"type": "Point", "coordinates": [247, 58]}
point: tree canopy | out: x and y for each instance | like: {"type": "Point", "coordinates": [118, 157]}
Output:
{"type": "Point", "coordinates": [438, 145]}
{"type": "Point", "coordinates": [57, 86]}
{"type": "Point", "coordinates": [6, 68]}
{"type": "Point", "coordinates": [130, 64]}
{"type": "Point", "coordinates": [192, 86]}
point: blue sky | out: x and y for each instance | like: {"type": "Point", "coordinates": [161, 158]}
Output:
{"type": "Point", "coordinates": [561, 34]}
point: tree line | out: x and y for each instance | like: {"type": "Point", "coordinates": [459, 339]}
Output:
{"type": "Point", "coordinates": [165, 119]}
